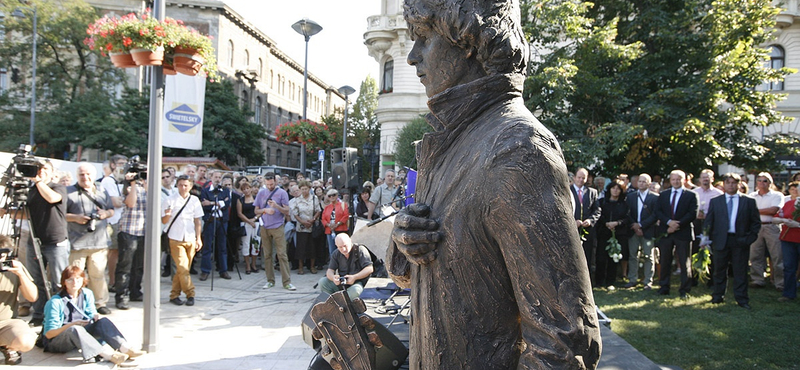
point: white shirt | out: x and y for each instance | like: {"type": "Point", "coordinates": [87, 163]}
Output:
{"type": "Point", "coordinates": [771, 199]}
{"type": "Point", "coordinates": [641, 196]}
{"type": "Point", "coordinates": [183, 228]}
{"type": "Point", "coordinates": [677, 198]}
{"type": "Point", "coordinates": [114, 190]}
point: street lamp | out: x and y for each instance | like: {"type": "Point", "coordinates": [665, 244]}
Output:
{"type": "Point", "coordinates": [372, 152]}
{"type": "Point", "coordinates": [19, 14]}
{"type": "Point", "coordinates": [307, 28]}
{"type": "Point", "coordinates": [346, 90]}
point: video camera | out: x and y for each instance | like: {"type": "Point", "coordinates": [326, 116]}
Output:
{"type": "Point", "coordinates": [17, 178]}
{"type": "Point", "coordinates": [135, 165]}
{"type": "Point", "coordinates": [7, 263]}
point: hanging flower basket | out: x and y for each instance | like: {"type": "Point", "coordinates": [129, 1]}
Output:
{"type": "Point", "coordinates": [188, 64]}
{"type": "Point", "coordinates": [147, 57]}
{"type": "Point", "coordinates": [314, 135]}
{"type": "Point", "coordinates": [122, 60]}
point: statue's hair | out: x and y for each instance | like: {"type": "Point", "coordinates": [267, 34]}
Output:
{"type": "Point", "coordinates": [489, 28]}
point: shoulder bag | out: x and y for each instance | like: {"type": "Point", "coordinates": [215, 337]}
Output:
{"type": "Point", "coordinates": [164, 235]}
{"type": "Point", "coordinates": [317, 230]}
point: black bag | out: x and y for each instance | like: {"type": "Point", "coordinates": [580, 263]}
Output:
{"type": "Point", "coordinates": [238, 231]}
{"type": "Point", "coordinates": [317, 230]}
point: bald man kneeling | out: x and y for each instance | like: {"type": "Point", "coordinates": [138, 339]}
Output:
{"type": "Point", "coordinates": [350, 265]}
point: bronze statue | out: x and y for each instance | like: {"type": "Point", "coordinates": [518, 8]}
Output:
{"type": "Point", "coordinates": [498, 276]}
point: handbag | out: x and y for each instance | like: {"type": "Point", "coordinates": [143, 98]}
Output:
{"type": "Point", "coordinates": [317, 230]}
{"type": "Point", "coordinates": [165, 234]}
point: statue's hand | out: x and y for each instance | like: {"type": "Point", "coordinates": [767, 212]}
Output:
{"type": "Point", "coordinates": [415, 234]}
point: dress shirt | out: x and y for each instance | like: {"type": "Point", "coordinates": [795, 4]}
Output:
{"type": "Point", "coordinates": [704, 197]}
{"type": "Point", "coordinates": [771, 199]}
{"type": "Point", "coordinates": [183, 228]}
{"type": "Point", "coordinates": [677, 198]}
{"type": "Point", "coordinates": [641, 196]}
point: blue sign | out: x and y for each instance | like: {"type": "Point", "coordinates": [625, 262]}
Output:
{"type": "Point", "coordinates": [321, 155]}
{"type": "Point", "coordinates": [183, 118]}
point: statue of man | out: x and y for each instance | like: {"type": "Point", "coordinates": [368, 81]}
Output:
{"type": "Point", "coordinates": [498, 276]}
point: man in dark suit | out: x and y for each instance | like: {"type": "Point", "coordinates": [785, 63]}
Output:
{"type": "Point", "coordinates": [733, 224]}
{"type": "Point", "coordinates": [642, 218]}
{"type": "Point", "coordinates": [676, 209]}
{"type": "Point", "coordinates": [216, 201]}
{"type": "Point", "coordinates": [587, 212]}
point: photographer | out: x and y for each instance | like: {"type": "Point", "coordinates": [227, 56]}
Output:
{"type": "Point", "coordinates": [350, 266]}
{"type": "Point", "coordinates": [47, 204]}
{"type": "Point", "coordinates": [88, 211]}
{"type": "Point", "coordinates": [130, 265]}
{"type": "Point", "coordinates": [15, 335]}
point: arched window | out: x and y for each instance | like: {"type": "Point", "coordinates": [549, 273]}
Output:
{"type": "Point", "coordinates": [279, 121]}
{"type": "Point", "coordinates": [245, 99]}
{"type": "Point", "coordinates": [388, 76]}
{"type": "Point", "coordinates": [246, 58]}
{"type": "Point", "coordinates": [260, 67]}
{"type": "Point", "coordinates": [298, 160]}
{"type": "Point", "coordinates": [257, 109]}
{"type": "Point", "coordinates": [288, 158]}
{"type": "Point", "coordinates": [777, 59]}
{"type": "Point", "coordinates": [269, 155]}
{"type": "Point", "coordinates": [230, 53]}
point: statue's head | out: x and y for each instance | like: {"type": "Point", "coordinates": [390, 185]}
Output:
{"type": "Point", "coordinates": [459, 41]}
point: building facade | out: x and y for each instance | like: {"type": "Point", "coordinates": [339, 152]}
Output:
{"type": "Point", "coordinates": [266, 80]}
{"type": "Point", "coordinates": [402, 97]}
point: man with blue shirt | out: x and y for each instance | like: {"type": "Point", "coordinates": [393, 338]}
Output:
{"type": "Point", "coordinates": [272, 203]}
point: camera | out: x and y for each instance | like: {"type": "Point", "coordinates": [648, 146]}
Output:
{"type": "Point", "coordinates": [16, 179]}
{"type": "Point", "coordinates": [91, 226]}
{"type": "Point", "coordinates": [342, 280]}
{"type": "Point", "coordinates": [7, 263]}
{"type": "Point", "coordinates": [135, 166]}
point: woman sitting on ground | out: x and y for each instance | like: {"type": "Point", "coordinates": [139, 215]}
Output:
{"type": "Point", "coordinates": [71, 321]}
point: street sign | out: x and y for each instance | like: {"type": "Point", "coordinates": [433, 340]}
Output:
{"type": "Point", "coordinates": [321, 155]}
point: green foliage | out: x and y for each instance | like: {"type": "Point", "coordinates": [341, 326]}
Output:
{"type": "Point", "coordinates": [632, 86]}
{"type": "Point", "coordinates": [405, 152]}
{"type": "Point", "coordinates": [704, 336]}
{"type": "Point", "coordinates": [363, 127]}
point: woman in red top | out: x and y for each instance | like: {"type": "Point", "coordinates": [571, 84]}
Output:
{"type": "Point", "coordinates": [337, 223]}
{"type": "Point", "coordinates": [790, 245]}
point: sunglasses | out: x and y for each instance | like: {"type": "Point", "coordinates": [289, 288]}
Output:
{"type": "Point", "coordinates": [333, 195]}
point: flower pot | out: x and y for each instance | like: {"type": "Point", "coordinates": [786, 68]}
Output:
{"type": "Point", "coordinates": [185, 50]}
{"type": "Point", "coordinates": [122, 60]}
{"type": "Point", "coordinates": [146, 57]}
{"type": "Point", "coordinates": [188, 64]}
{"type": "Point", "coordinates": [169, 70]}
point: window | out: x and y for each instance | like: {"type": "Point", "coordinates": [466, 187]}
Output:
{"type": "Point", "coordinates": [298, 160]}
{"type": "Point", "coordinates": [273, 117]}
{"type": "Point", "coordinates": [278, 157]}
{"type": "Point", "coordinates": [777, 59]}
{"type": "Point", "coordinates": [269, 155]}
{"type": "Point", "coordinates": [246, 58]}
{"type": "Point", "coordinates": [258, 110]}
{"type": "Point", "coordinates": [279, 117]}
{"type": "Point", "coordinates": [288, 158]}
{"type": "Point", "coordinates": [260, 67]}
{"type": "Point", "coordinates": [245, 100]}
{"type": "Point", "coordinates": [230, 53]}
{"type": "Point", "coordinates": [3, 80]}
{"type": "Point", "coordinates": [388, 76]}
{"type": "Point", "coordinates": [271, 79]}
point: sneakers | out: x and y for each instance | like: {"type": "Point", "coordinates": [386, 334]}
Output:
{"type": "Point", "coordinates": [177, 301]}
{"type": "Point", "coordinates": [190, 301]}
{"type": "Point", "coordinates": [132, 353]}
{"type": "Point", "coordinates": [12, 357]}
{"type": "Point", "coordinates": [289, 287]}
{"type": "Point", "coordinates": [269, 285]}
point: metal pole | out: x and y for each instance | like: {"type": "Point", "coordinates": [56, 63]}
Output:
{"type": "Point", "coordinates": [346, 108]}
{"type": "Point", "coordinates": [33, 79]}
{"type": "Point", "coordinates": [305, 106]}
{"type": "Point", "coordinates": [152, 301]}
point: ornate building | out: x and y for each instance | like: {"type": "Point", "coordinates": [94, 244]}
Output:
{"type": "Point", "coordinates": [402, 97]}
{"type": "Point", "coordinates": [266, 80]}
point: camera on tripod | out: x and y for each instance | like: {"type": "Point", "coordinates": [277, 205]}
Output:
{"type": "Point", "coordinates": [135, 166]}
{"type": "Point", "coordinates": [17, 178]}
{"type": "Point", "coordinates": [91, 226]}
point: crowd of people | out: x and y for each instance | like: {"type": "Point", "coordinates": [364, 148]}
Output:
{"type": "Point", "coordinates": [632, 231]}
{"type": "Point", "coordinates": [90, 231]}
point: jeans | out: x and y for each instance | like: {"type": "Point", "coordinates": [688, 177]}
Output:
{"type": "Point", "coordinates": [214, 242]}
{"type": "Point", "coordinates": [329, 287]}
{"type": "Point", "coordinates": [56, 259]}
{"type": "Point", "coordinates": [86, 338]}
{"type": "Point", "coordinates": [130, 267]}
{"type": "Point", "coordinates": [790, 255]}
{"type": "Point", "coordinates": [331, 238]}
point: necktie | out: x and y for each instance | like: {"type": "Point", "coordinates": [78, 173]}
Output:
{"type": "Point", "coordinates": [580, 195]}
{"type": "Point", "coordinates": [672, 204]}
{"type": "Point", "coordinates": [730, 208]}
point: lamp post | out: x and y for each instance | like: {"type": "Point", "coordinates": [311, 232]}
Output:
{"type": "Point", "coordinates": [19, 14]}
{"type": "Point", "coordinates": [307, 28]}
{"type": "Point", "coordinates": [346, 90]}
{"type": "Point", "coordinates": [371, 151]}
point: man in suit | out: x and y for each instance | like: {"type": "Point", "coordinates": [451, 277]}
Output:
{"type": "Point", "coordinates": [733, 224]}
{"type": "Point", "coordinates": [677, 210]}
{"type": "Point", "coordinates": [587, 212]}
{"type": "Point", "coordinates": [642, 217]}
{"type": "Point", "coordinates": [216, 201]}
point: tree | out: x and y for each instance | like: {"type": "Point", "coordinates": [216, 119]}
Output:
{"type": "Point", "coordinates": [66, 68]}
{"type": "Point", "coordinates": [630, 86]}
{"type": "Point", "coordinates": [405, 148]}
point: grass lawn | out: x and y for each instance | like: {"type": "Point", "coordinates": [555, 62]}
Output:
{"type": "Point", "coordinates": [697, 335]}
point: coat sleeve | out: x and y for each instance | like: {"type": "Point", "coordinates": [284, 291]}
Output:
{"type": "Point", "coordinates": [754, 220]}
{"type": "Point", "coordinates": [691, 214]}
{"type": "Point", "coordinates": [594, 209]}
{"type": "Point", "coordinates": [651, 217]}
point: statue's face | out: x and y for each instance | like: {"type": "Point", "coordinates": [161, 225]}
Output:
{"type": "Point", "coordinates": [440, 64]}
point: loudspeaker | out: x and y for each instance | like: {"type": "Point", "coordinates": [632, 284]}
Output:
{"type": "Point", "coordinates": [344, 168]}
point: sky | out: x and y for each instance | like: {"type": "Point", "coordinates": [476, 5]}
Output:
{"type": "Point", "coordinates": [337, 54]}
